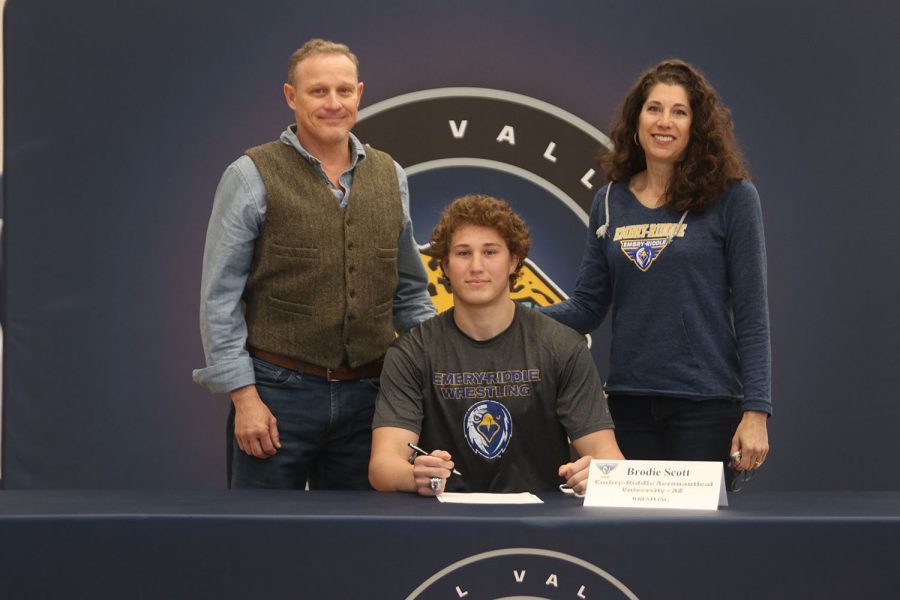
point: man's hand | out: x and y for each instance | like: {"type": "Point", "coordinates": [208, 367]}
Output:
{"type": "Point", "coordinates": [576, 474]}
{"type": "Point", "coordinates": [254, 425]}
{"type": "Point", "coordinates": [437, 464]}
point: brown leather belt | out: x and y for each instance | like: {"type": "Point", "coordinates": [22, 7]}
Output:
{"type": "Point", "coordinates": [342, 373]}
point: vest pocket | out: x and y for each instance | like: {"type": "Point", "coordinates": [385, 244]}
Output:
{"type": "Point", "coordinates": [386, 253]}
{"type": "Point", "coordinates": [292, 307]}
{"type": "Point", "coordinates": [310, 253]}
{"type": "Point", "coordinates": [383, 307]}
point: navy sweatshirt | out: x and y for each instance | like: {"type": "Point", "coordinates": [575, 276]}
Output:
{"type": "Point", "coordinates": [690, 318]}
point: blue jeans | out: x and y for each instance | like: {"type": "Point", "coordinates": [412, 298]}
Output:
{"type": "Point", "coordinates": [325, 430]}
{"type": "Point", "coordinates": [659, 428]}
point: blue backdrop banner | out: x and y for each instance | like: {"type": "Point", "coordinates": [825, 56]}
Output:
{"type": "Point", "coordinates": [121, 117]}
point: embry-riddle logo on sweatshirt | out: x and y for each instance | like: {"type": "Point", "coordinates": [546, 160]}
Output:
{"type": "Point", "coordinates": [505, 137]}
{"type": "Point", "coordinates": [643, 243]}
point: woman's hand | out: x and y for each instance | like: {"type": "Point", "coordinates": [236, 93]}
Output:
{"type": "Point", "coordinates": [750, 441]}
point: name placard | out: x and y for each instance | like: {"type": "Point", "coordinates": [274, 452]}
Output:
{"type": "Point", "coordinates": [698, 485]}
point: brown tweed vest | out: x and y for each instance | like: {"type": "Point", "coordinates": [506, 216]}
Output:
{"type": "Point", "coordinates": [322, 282]}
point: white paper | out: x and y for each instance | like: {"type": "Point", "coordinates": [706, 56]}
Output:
{"type": "Point", "coordinates": [656, 484]}
{"type": "Point", "coordinates": [481, 498]}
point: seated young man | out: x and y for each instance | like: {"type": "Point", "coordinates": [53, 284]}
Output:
{"type": "Point", "coordinates": [492, 388]}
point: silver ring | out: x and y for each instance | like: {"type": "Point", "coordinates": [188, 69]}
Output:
{"type": "Point", "coordinates": [435, 484]}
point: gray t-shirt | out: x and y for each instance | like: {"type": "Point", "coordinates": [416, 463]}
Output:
{"type": "Point", "coordinates": [501, 407]}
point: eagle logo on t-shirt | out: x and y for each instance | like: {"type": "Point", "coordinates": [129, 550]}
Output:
{"type": "Point", "coordinates": [487, 427]}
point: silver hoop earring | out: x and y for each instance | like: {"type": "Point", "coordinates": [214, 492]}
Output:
{"type": "Point", "coordinates": [636, 142]}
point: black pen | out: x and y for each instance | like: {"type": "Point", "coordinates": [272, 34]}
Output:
{"type": "Point", "coordinates": [423, 453]}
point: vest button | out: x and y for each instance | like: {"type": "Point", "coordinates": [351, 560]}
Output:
{"type": "Point", "coordinates": [351, 269]}
{"type": "Point", "coordinates": [350, 317]}
{"type": "Point", "coordinates": [350, 246]}
{"type": "Point", "coordinates": [353, 293]}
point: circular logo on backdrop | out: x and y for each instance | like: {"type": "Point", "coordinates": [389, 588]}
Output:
{"type": "Point", "coordinates": [538, 157]}
{"type": "Point", "coordinates": [531, 573]}
{"type": "Point", "coordinates": [492, 129]}
{"type": "Point", "coordinates": [487, 427]}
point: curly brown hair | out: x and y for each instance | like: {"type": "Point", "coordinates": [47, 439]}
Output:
{"type": "Point", "coordinates": [484, 211]}
{"type": "Point", "coordinates": [712, 157]}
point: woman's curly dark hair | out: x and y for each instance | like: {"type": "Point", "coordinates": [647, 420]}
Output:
{"type": "Point", "coordinates": [484, 211]}
{"type": "Point", "coordinates": [711, 158]}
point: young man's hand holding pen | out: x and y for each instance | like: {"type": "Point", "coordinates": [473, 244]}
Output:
{"type": "Point", "coordinates": [431, 471]}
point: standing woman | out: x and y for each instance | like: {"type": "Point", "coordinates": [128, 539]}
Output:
{"type": "Point", "coordinates": [675, 245]}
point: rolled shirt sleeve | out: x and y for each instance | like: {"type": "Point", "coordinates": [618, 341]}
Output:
{"type": "Point", "coordinates": [237, 215]}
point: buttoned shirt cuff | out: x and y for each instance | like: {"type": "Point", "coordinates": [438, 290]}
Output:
{"type": "Point", "coordinates": [227, 376]}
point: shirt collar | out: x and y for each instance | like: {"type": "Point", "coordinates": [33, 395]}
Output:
{"type": "Point", "coordinates": [289, 137]}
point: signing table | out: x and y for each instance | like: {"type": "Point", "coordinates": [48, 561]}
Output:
{"type": "Point", "coordinates": [270, 544]}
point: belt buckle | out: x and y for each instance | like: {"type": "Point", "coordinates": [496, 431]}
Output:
{"type": "Point", "coordinates": [328, 376]}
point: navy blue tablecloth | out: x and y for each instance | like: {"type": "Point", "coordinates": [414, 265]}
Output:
{"type": "Point", "coordinates": [260, 544]}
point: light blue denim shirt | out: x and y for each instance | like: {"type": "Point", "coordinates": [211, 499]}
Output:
{"type": "Point", "coordinates": [239, 210]}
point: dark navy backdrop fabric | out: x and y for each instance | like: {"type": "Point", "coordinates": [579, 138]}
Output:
{"type": "Point", "coordinates": [121, 117]}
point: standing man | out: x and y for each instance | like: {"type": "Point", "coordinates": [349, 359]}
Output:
{"type": "Point", "coordinates": [310, 267]}
{"type": "Point", "coordinates": [495, 389]}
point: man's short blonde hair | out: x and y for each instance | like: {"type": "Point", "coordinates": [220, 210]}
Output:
{"type": "Point", "coordinates": [318, 46]}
